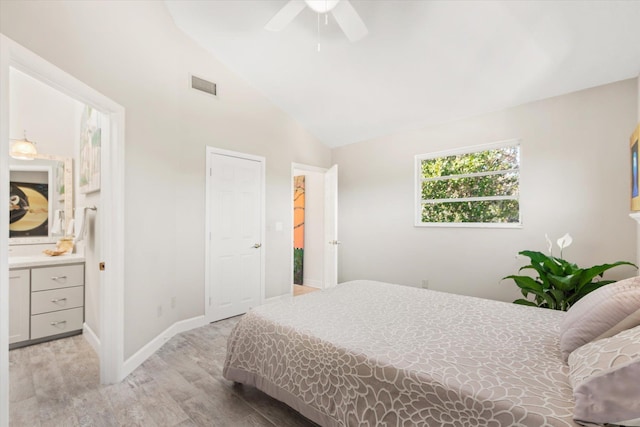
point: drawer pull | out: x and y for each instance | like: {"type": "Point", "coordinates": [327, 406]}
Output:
{"type": "Point", "coordinates": [59, 277]}
{"type": "Point", "coordinates": [55, 301]}
{"type": "Point", "coordinates": [14, 277]}
{"type": "Point", "coordinates": [57, 323]}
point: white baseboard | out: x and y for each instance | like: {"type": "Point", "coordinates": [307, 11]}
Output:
{"type": "Point", "coordinates": [188, 324]}
{"type": "Point", "coordinates": [154, 345]}
{"type": "Point", "coordinates": [91, 338]}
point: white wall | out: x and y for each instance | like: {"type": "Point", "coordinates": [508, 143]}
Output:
{"type": "Point", "coordinates": [90, 246]}
{"type": "Point", "coordinates": [313, 269]}
{"type": "Point", "coordinates": [574, 178]}
{"type": "Point", "coordinates": [48, 116]}
{"type": "Point", "coordinates": [133, 53]}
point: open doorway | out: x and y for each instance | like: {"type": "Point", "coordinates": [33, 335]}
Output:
{"type": "Point", "coordinates": [314, 196]}
{"type": "Point", "coordinates": [61, 232]}
{"type": "Point", "coordinates": [98, 122]}
{"type": "Point", "coordinates": [54, 242]}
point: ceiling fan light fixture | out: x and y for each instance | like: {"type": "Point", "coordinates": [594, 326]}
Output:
{"type": "Point", "coordinates": [322, 6]}
{"type": "Point", "coordinates": [342, 11]}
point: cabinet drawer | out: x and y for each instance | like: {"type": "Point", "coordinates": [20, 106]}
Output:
{"type": "Point", "coordinates": [64, 276]}
{"type": "Point", "coordinates": [57, 299]}
{"type": "Point", "coordinates": [58, 322]}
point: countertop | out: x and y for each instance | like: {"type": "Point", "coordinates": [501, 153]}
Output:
{"type": "Point", "coordinates": [43, 260]}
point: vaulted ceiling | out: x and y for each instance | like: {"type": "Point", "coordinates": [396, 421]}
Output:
{"type": "Point", "coordinates": [422, 63]}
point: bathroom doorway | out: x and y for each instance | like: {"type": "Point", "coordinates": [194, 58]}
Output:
{"type": "Point", "coordinates": [62, 232]}
{"type": "Point", "coordinates": [20, 64]}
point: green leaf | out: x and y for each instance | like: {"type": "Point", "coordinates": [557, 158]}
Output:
{"type": "Point", "coordinates": [542, 274]}
{"type": "Point", "coordinates": [598, 270]}
{"type": "Point", "coordinates": [525, 302]}
{"type": "Point", "coordinates": [549, 263]}
{"type": "Point", "coordinates": [567, 267]}
{"type": "Point", "coordinates": [558, 296]}
{"type": "Point", "coordinates": [565, 283]}
{"type": "Point", "coordinates": [536, 288]}
{"type": "Point", "coordinates": [526, 283]}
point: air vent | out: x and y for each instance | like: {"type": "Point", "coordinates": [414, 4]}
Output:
{"type": "Point", "coordinates": [204, 85]}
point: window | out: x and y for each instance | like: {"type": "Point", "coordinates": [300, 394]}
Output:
{"type": "Point", "coordinates": [475, 186]}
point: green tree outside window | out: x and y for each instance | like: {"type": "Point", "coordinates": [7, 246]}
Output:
{"type": "Point", "coordinates": [481, 186]}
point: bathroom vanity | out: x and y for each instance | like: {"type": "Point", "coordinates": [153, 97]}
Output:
{"type": "Point", "coordinates": [46, 297]}
{"type": "Point", "coordinates": [46, 293]}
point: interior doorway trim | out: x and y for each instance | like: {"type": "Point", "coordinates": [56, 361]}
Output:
{"type": "Point", "coordinates": [112, 200]}
{"type": "Point", "coordinates": [207, 252]}
{"type": "Point", "coordinates": [309, 168]}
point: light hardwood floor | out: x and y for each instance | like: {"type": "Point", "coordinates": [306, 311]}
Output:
{"type": "Point", "coordinates": [302, 289]}
{"type": "Point", "coordinates": [57, 384]}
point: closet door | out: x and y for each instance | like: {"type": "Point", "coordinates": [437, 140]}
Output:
{"type": "Point", "coordinates": [235, 224]}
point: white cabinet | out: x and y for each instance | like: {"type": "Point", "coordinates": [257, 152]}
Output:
{"type": "Point", "coordinates": [45, 303]}
{"type": "Point", "coordinates": [19, 305]}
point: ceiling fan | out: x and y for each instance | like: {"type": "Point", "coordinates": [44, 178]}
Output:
{"type": "Point", "coordinates": [343, 12]}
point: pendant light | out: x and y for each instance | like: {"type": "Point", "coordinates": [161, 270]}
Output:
{"type": "Point", "coordinates": [23, 149]}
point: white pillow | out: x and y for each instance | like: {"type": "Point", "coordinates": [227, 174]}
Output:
{"type": "Point", "coordinates": [605, 375]}
{"type": "Point", "coordinates": [601, 313]}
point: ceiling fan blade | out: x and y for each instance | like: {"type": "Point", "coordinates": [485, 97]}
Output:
{"type": "Point", "coordinates": [349, 20]}
{"type": "Point", "coordinates": [285, 15]}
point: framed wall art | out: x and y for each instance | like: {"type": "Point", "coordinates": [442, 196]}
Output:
{"type": "Point", "coordinates": [298, 229]}
{"type": "Point", "coordinates": [635, 183]}
{"type": "Point", "coordinates": [90, 142]}
{"type": "Point", "coordinates": [28, 209]}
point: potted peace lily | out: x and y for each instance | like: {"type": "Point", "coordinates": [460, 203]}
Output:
{"type": "Point", "coordinates": [559, 283]}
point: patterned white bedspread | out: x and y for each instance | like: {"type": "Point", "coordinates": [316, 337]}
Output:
{"type": "Point", "coordinates": [374, 354]}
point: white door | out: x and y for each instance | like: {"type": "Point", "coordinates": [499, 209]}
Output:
{"type": "Point", "coordinates": [19, 314]}
{"type": "Point", "coordinates": [331, 227]}
{"type": "Point", "coordinates": [235, 221]}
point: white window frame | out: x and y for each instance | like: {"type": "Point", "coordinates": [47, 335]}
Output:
{"type": "Point", "coordinates": [464, 150]}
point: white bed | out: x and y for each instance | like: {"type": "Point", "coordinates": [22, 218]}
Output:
{"type": "Point", "coordinates": [371, 353]}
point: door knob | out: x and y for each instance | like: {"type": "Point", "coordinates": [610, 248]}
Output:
{"type": "Point", "coordinates": [257, 245]}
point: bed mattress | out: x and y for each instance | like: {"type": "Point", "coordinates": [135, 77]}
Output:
{"type": "Point", "coordinates": [369, 354]}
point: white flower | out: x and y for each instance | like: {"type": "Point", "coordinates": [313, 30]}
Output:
{"type": "Point", "coordinates": [549, 243]}
{"type": "Point", "coordinates": [564, 241]}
